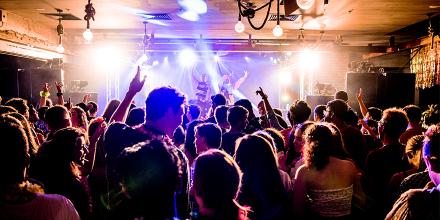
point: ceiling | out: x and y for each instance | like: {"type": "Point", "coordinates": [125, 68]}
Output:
{"type": "Point", "coordinates": [359, 22]}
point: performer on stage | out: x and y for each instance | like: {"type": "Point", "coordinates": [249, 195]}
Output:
{"type": "Point", "coordinates": [227, 88]}
{"type": "Point", "coordinates": [203, 90]}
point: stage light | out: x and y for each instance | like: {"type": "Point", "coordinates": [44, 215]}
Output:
{"type": "Point", "coordinates": [247, 58]}
{"type": "Point", "coordinates": [187, 57]}
{"type": "Point", "coordinates": [109, 58]}
{"type": "Point", "coordinates": [285, 77]}
{"type": "Point", "coordinates": [155, 63]}
{"type": "Point", "coordinates": [285, 98]}
{"type": "Point", "coordinates": [309, 59]}
{"type": "Point", "coordinates": [189, 15]}
{"type": "Point", "coordinates": [196, 6]}
{"type": "Point", "coordinates": [216, 58]}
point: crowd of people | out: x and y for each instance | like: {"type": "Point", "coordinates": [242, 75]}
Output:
{"type": "Point", "coordinates": [166, 160]}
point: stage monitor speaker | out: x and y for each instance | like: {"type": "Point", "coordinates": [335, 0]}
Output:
{"type": "Point", "coordinates": [314, 100]}
{"type": "Point", "coordinates": [381, 90]}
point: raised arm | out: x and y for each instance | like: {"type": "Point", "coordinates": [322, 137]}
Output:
{"type": "Point", "coordinates": [44, 94]}
{"type": "Point", "coordinates": [93, 140]}
{"type": "Point", "coordinates": [241, 80]}
{"type": "Point", "coordinates": [86, 98]}
{"type": "Point", "coordinates": [60, 97]}
{"type": "Point", "coordinates": [273, 120]}
{"type": "Point", "coordinates": [135, 86]}
{"type": "Point", "coordinates": [362, 106]}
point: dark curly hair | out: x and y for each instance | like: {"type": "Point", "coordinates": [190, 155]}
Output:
{"type": "Point", "coordinates": [299, 112]}
{"type": "Point", "coordinates": [20, 105]}
{"type": "Point", "coordinates": [317, 147]}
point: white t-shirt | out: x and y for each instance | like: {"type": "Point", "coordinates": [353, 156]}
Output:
{"type": "Point", "coordinates": [43, 207]}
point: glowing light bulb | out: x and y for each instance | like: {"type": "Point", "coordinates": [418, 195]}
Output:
{"type": "Point", "coordinates": [60, 48]}
{"type": "Point", "coordinates": [88, 35]}
{"type": "Point", "coordinates": [239, 27]}
{"type": "Point", "coordinates": [277, 31]}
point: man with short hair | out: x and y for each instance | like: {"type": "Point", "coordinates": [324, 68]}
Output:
{"type": "Point", "coordinates": [193, 112]}
{"type": "Point", "coordinates": [318, 113]}
{"type": "Point", "coordinates": [221, 117]}
{"type": "Point", "coordinates": [217, 100]}
{"type": "Point", "coordinates": [20, 105]}
{"type": "Point", "coordinates": [57, 117]}
{"type": "Point", "coordinates": [208, 136]}
{"type": "Point", "coordinates": [414, 128]}
{"type": "Point", "coordinates": [423, 203]}
{"type": "Point", "coordinates": [336, 113]}
{"type": "Point", "coordinates": [298, 113]}
{"type": "Point", "coordinates": [164, 112]}
{"type": "Point", "coordinates": [92, 109]}
{"type": "Point", "coordinates": [342, 95]}
{"type": "Point", "coordinates": [253, 122]}
{"type": "Point", "coordinates": [238, 119]}
{"type": "Point", "coordinates": [382, 163]}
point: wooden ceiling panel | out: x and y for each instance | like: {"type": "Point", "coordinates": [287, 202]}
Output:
{"type": "Point", "coordinates": [372, 18]}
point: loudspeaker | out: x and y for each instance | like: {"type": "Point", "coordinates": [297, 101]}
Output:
{"type": "Point", "coordinates": [381, 90]}
{"type": "Point", "coordinates": [314, 100]}
{"type": "Point", "coordinates": [369, 84]}
{"type": "Point", "coordinates": [396, 89]}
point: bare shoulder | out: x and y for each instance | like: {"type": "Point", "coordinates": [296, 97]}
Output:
{"type": "Point", "coordinates": [301, 172]}
{"type": "Point", "coordinates": [345, 164]}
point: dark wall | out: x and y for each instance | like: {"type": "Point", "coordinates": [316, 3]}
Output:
{"type": "Point", "coordinates": [24, 78]}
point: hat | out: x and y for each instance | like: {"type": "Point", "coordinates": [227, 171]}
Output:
{"type": "Point", "coordinates": [218, 99]}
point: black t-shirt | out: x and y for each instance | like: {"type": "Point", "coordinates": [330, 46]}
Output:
{"type": "Point", "coordinates": [119, 136]}
{"type": "Point", "coordinates": [228, 141]}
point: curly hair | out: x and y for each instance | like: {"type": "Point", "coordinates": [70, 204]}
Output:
{"type": "Point", "coordinates": [33, 146]}
{"type": "Point", "coordinates": [317, 147]}
{"type": "Point", "coordinates": [20, 105]}
{"type": "Point", "coordinates": [14, 151]}
{"type": "Point", "coordinates": [299, 112]}
{"type": "Point", "coordinates": [81, 116]}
